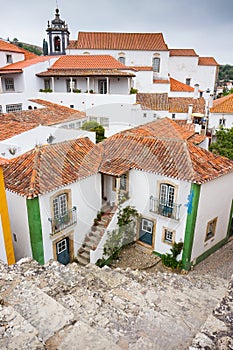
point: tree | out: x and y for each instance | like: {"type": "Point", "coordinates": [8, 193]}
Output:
{"type": "Point", "coordinates": [224, 144]}
{"type": "Point", "coordinates": [45, 48]}
{"type": "Point", "coordinates": [94, 126]}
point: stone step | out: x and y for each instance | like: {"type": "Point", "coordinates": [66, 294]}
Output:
{"type": "Point", "coordinates": [19, 333]}
{"type": "Point", "coordinates": [40, 310]}
{"type": "Point", "coordinates": [83, 261]}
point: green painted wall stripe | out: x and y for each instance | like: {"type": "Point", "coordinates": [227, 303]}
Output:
{"type": "Point", "coordinates": [211, 250]}
{"type": "Point", "coordinates": [230, 219]}
{"type": "Point", "coordinates": [35, 229]}
{"type": "Point", "coordinates": [190, 225]}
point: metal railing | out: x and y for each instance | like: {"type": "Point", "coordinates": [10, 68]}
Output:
{"type": "Point", "coordinates": [168, 210]}
{"type": "Point", "coordinates": [61, 222]}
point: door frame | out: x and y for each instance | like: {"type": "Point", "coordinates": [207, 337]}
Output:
{"type": "Point", "coordinates": [69, 235]}
{"type": "Point", "coordinates": [149, 247]}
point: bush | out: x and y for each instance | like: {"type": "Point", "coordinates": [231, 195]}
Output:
{"type": "Point", "coordinates": [170, 260]}
{"type": "Point", "coordinates": [133, 91]}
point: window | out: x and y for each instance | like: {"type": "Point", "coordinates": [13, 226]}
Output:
{"type": "Point", "coordinates": [102, 86]}
{"type": "Point", "coordinates": [155, 115]}
{"type": "Point", "coordinates": [173, 115]}
{"type": "Point", "coordinates": [60, 205]}
{"type": "Point", "coordinates": [211, 228]}
{"type": "Point", "coordinates": [9, 84]}
{"type": "Point", "coordinates": [147, 225]}
{"type": "Point", "coordinates": [57, 43]}
{"type": "Point", "coordinates": [121, 59]}
{"type": "Point", "coordinates": [15, 237]}
{"type": "Point", "coordinates": [14, 107]}
{"type": "Point", "coordinates": [61, 246]}
{"type": "Point", "coordinates": [188, 81]}
{"type": "Point", "coordinates": [222, 121]}
{"type": "Point", "coordinates": [123, 183]}
{"type": "Point", "coordinates": [168, 235]}
{"type": "Point", "coordinates": [9, 59]}
{"type": "Point", "coordinates": [0, 108]}
{"type": "Point", "coordinates": [156, 64]}
{"type": "Point", "coordinates": [47, 85]}
{"type": "Point", "coordinates": [144, 115]}
{"type": "Point", "coordinates": [166, 199]}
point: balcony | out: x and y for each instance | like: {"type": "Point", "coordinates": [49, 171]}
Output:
{"type": "Point", "coordinates": [61, 222]}
{"type": "Point", "coordinates": [168, 210]}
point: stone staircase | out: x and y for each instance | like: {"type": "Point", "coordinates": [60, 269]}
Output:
{"type": "Point", "coordinates": [94, 236]}
{"type": "Point", "coordinates": [57, 307]}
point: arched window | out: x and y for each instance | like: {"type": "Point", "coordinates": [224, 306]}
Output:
{"type": "Point", "coordinates": [156, 64]}
{"type": "Point", "coordinates": [57, 43]}
{"type": "Point", "coordinates": [121, 59]}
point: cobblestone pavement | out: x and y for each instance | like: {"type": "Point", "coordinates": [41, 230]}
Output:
{"type": "Point", "coordinates": [218, 264]}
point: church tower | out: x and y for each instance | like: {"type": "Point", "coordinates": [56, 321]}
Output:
{"type": "Point", "coordinates": [58, 35]}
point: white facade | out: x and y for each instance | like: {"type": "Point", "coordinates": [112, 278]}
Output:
{"type": "Point", "coordinates": [26, 141]}
{"type": "Point", "coordinates": [215, 202]}
{"type": "Point", "coordinates": [3, 256]}
{"type": "Point", "coordinates": [14, 57]}
{"type": "Point", "coordinates": [217, 120]}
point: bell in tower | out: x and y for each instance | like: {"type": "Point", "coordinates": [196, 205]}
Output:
{"type": "Point", "coordinates": [58, 35]}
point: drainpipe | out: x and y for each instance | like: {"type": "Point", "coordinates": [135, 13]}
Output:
{"type": "Point", "coordinates": [190, 111]}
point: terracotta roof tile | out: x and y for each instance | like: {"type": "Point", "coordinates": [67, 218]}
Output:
{"type": "Point", "coordinates": [162, 147]}
{"type": "Point", "coordinates": [119, 41]}
{"type": "Point", "coordinates": [153, 101]}
{"type": "Point", "coordinates": [25, 63]}
{"type": "Point", "coordinates": [207, 61]}
{"type": "Point", "coordinates": [6, 46]}
{"type": "Point", "coordinates": [176, 85]}
{"type": "Point", "coordinates": [183, 52]}
{"type": "Point", "coordinates": [18, 122]}
{"type": "Point", "coordinates": [87, 62]}
{"type": "Point", "coordinates": [223, 105]}
{"type": "Point", "coordinates": [142, 68]}
{"type": "Point", "coordinates": [84, 73]}
{"type": "Point", "coordinates": [49, 167]}
{"type": "Point", "coordinates": [161, 102]}
{"type": "Point", "coordinates": [161, 81]}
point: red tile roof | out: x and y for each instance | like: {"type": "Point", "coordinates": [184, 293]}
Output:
{"type": "Point", "coordinates": [15, 123]}
{"type": "Point", "coordinates": [142, 68]}
{"type": "Point", "coordinates": [183, 52]}
{"type": "Point", "coordinates": [161, 102]}
{"type": "Point", "coordinates": [6, 46]}
{"type": "Point", "coordinates": [160, 81]}
{"type": "Point", "coordinates": [207, 61]}
{"type": "Point", "coordinates": [119, 41]}
{"type": "Point", "coordinates": [223, 105]}
{"type": "Point", "coordinates": [25, 63]}
{"type": "Point", "coordinates": [176, 85]}
{"type": "Point", "coordinates": [87, 62]}
{"type": "Point", "coordinates": [84, 73]}
{"type": "Point", "coordinates": [47, 168]}
{"type": "Point", "coordinates": [162, 147]}
{"type": "Point", "coordinates": [3, 161]}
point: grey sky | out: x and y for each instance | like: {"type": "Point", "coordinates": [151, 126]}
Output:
{"type": "Point", "coordinates": [204, 25]}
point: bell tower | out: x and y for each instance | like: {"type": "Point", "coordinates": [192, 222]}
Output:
{"type": "Point", "coordinates": [58, 35]}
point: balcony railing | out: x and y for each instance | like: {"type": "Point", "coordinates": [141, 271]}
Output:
{"type": "Point", "coordinates": [61, 222]}
{"type": "Point", "coordinates": [168, 210]}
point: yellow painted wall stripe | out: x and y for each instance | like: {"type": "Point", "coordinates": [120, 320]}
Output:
{"type": "Point", "coordinates": [6, 222]}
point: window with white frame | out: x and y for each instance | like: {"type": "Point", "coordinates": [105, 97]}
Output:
{"type": "Point", "coordinates": [188, 81]}
{"type": "Point", "coordinates": [147, 225]}
{"type": "Point", "coordinates": [14, 107]}
{"type": "Point", "coordinates": [93, 119]}
{"type": "Point", "coordinates": [210, 229]}
{"type": "Point", "coordinates": [60, 205]}
{"type": "Point", "coordinates": [9, 84]}
{"type": "Point", "coordinates": [9, 59]}
{"type": "Point", "coordinates": [156, 64]}
{"type": "Point", "coordinates": [61, 246]}
{"type": "Point", "coordinates": [168, 235]}
{"type": "Point", "coordinates": [166, 197]}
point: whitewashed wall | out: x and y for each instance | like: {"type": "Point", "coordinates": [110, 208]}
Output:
{"type": "Point", "coordinates": [19, 225]}
{"type": "Point", "coordinates": [206, 76]}
{"type": "Point", "coordinates": [181, 68]}
{"type": "Point", "coordinates": [215, 117]}
{"type": "Point", "coordinates": [215, 201]}
{"type": "Point", "coordinates": [16, 57]}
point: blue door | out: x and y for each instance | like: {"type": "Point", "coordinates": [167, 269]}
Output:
{"type": "Point", "coordinates": [63, 251]}
{"type": "Point", "coordinates": [146, 231]}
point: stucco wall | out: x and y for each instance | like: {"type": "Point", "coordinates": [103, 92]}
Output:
{"type": "Point", "coordinates": [215, 202]}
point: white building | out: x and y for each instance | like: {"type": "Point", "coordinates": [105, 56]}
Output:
{"type": "Point", "coordinates": [221, 113]}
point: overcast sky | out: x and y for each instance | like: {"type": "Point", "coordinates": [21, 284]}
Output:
{"type": "Point", "coordinates": [204, 25]}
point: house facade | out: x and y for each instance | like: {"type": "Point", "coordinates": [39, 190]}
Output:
{"type": "Point", "coordinates": [221, 113]}
{"type": "Point", "coordinates": [53, 193]}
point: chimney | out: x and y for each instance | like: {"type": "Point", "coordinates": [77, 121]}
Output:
{"type": "Point", "coordinates": [196, 91]}
{"type": "Point", "coordinates": [211, 100]}
{"type": "Point", "coordinates": [190, 111]}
